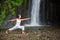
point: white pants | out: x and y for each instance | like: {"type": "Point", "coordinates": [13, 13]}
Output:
{"type": "Point", "coordinates": [16, 27]}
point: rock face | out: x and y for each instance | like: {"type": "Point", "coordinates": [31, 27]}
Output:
{"type": "Point", "coordinates": [7, 24]}
{"type": "Point", "coordinates": [38, 33]}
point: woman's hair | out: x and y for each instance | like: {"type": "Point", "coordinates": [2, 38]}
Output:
{"type": "Point", "coordinates": [17, 15]}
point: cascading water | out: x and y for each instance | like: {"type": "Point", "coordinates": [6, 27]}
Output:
{"type": "Point", "coordinates": [35, 12]}
{"type": "Point", "coordinates": [35, 8]}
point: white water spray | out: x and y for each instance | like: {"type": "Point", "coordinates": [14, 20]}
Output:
{"type": "Point", "coordinates": [35, 12]}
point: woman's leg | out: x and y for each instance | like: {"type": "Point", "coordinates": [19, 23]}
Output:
{"type": "Point", "coordinates": [11, 29]}
{"type": "Point", "coordinates": [23, 29]}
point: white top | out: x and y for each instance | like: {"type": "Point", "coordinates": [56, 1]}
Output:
{"type": "Point", "coordinates": [18, 22]}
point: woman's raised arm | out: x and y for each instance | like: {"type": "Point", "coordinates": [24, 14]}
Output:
{"type": "Point", "coordinates": [25, 19]}
{"type": "Point", "coordinates": [12, 20]}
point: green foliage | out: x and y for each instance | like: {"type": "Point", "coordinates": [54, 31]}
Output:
{"type": "Point", "coordinates": [25, 2]}
{"type": "Point", "coordinates": [8, 6]}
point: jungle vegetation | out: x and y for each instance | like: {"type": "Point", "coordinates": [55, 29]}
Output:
{"type": "Point", "coordinates": [7, 6]}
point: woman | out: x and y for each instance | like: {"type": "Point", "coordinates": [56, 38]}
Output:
{"type": "Point", "coordinates": [17, 25]}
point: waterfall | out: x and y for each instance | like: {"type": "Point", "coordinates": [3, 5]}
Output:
{"type": "Point", "coordinates": [35, 12]}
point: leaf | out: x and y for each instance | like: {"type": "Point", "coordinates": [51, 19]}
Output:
{"type": "Point", "coordinates": [13, 11]}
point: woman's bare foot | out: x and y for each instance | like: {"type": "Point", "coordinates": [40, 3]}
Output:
{"type": "Point", "coordinates": [7, 31]}
{"type": "Point", "coordinates": [23, 33]}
